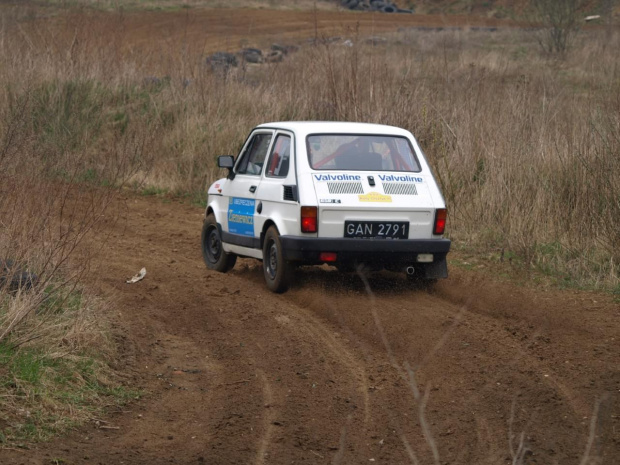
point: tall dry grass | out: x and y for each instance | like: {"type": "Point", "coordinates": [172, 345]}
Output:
{"type": "Point", "coordinates": [55, 344]}
{"type": "Point", "coordinates": [525, 147]}
{"type": "Point", "coordinates": [61, 165]}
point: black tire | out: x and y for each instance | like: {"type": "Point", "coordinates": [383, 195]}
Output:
{"type": "Point", "coordinates": [278, 272]}
{"type": "Point", "coordinates": [212, 251]}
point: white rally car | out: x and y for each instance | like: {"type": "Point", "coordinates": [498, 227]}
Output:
{"type": "Point", "coordinates": [347, 194]}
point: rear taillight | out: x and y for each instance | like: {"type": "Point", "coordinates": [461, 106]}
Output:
{"type": "Point", "coordinates": [440, 221]}
{"type": "Point", "coordinates": [309, 217]}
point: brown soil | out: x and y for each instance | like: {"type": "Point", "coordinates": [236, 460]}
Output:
{"type": "Point", "coordinates": [228, 28]}
{"type": "Point", "coordinates": [155, 36]}
{"type": "Point", "coordinates": [234, 374]}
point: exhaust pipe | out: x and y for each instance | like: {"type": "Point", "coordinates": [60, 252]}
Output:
{"type": "Point", "coordinates": [410, 270]}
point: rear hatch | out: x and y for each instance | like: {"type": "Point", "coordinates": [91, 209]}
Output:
{"type": "Point", "coordinates": [374, 204]}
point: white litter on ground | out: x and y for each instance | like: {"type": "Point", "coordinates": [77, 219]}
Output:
{"type": "Point", "coordinates": [139, 277]}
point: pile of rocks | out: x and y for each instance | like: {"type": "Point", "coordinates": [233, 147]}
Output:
{"type": "Point", "coordinates": [373, 5]}
{"type": "Point", "coordinates": [227, 60]}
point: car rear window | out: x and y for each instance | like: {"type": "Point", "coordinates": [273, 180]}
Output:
{"type": "Point", "coordinates": [361, 152]}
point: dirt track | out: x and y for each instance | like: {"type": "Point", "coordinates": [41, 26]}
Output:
{"type": "Point", "coordinates": [235, 374]}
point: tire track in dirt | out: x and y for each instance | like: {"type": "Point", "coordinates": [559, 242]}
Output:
{"type": "Point", "coordinates": [326, 337]}
{"type": "Point", "coordinates": [269, 418]}
{"type": "Point", "coordinates": [519, 363]}
{"type": "Point", "coordinates": [342, 372]}
{"type": "Point", "coordinates": [357, 368]}
{"type": "Point", "coordinates": [235, 374]}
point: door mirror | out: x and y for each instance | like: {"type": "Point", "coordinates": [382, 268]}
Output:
{"type": "Point", "coordinates": [225, 161]}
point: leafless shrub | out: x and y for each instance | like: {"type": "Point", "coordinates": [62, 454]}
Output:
{"type": "Point", "coordinates": [556, 23]}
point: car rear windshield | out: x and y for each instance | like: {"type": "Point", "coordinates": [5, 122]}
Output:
{"type": "Point", "coordinates": [361, 152]}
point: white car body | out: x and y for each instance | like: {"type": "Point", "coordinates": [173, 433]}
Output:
{"type": "Point", "coordinates": [363, 202]}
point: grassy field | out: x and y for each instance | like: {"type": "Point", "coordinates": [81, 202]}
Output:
{"type": "Point", "coordinates": [525, 147]}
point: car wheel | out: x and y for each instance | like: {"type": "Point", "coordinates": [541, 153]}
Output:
{"type": "Point", "coordinates": [212, 250]}
{"type": "Point", "coordinates": [276, 269]}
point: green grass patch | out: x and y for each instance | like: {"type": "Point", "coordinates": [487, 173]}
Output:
{"type": "Point", "coordinates": [153, 190]}
{"type": "Point", "coordinates": [53, 372]}
{"type": "Point", "coordinates": [199, 199]}
{"type": "Point", "coordinates": [48, 394]}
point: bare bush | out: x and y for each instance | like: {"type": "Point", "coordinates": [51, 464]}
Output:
{"type": "Point", "coordinates": [556, 22]}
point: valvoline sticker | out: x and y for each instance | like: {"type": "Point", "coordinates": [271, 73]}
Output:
{"type": "Point", "coordinates": [357, 177]}
{"type": "Point", "coordinates": [400, 178]}
{"type": "Point", "coordinates": [241, 216]}
{"type": "Point", "coordinates": [337, 177]}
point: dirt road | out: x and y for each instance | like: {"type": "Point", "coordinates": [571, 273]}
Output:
{"type": "Point", "coordinates": [338, 370]}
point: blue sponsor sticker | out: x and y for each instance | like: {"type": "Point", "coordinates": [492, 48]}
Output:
{"type": "Point", "coordinates": [241, 216]}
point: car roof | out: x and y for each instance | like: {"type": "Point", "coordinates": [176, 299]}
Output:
{"type": "Point", "coordinates": [303, 128]}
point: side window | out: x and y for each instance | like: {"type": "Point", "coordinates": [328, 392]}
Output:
{"type": "Point", "coordinates": [253, 158]}
{"type": "Point", "coordinates": [279, 161]}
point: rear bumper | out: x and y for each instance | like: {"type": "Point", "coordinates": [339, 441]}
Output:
{"type": "Point", "coordinates": [380, 251]}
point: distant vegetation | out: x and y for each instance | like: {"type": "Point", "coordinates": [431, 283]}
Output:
{"type": "Point", "coordinates": [515, 9]}
{"type": "Point", "coordinates": [524, 145]}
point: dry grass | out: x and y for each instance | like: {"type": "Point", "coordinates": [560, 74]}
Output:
{"type": "Point", "coordinates": [55, 188]}
{"type": "Point", "coordinates": [54, 343]}
{"type": "Point", "coordinates": [525, 147]}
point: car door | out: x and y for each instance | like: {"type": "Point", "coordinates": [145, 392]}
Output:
{"type": "Point", "coordinates": [277, 192]}
{"type": "Point", "coordinates": [240, 192]}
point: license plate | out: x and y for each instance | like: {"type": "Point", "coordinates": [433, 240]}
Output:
{"type": "Point", "coordinates": [371, 229]}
